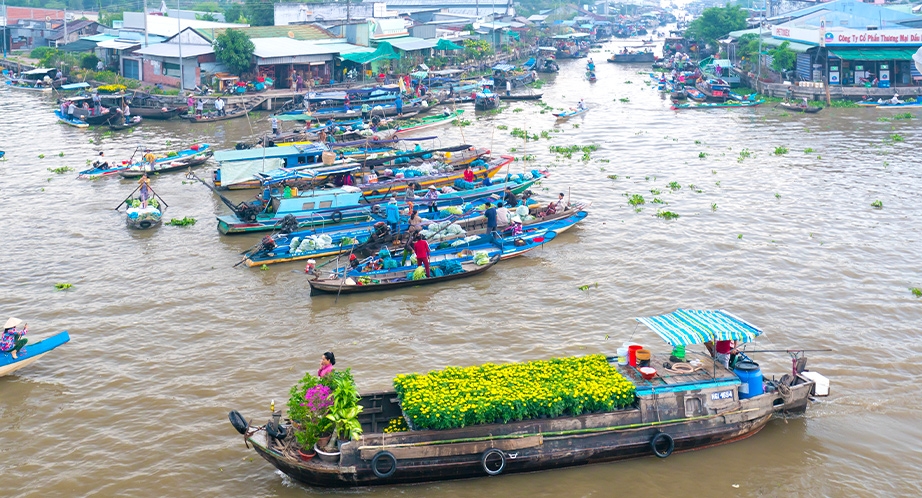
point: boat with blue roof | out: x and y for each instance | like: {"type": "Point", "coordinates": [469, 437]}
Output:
{"type": "Point", "coordinates": [617, 407]}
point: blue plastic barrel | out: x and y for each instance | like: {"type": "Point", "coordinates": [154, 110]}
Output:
{"type": "Point", "coordinates": [751, 377]}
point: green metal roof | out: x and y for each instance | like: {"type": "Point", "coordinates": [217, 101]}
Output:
{"type": "Point", "coordinates": [874, 54]}
{"type": "Point", "coordinates": [797, 47]}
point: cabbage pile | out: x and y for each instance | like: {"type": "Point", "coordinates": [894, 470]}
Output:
{"type": "Point", "coordinates": [465, 240]}
{"type": "Point", "coordinates": [438, 231]}
{"type": "Point", "coordinates": [310, 243]}
{"type": "Point", "coordinates": [481, 258]}
{"type": "Point", "coordinates": [418, 274]}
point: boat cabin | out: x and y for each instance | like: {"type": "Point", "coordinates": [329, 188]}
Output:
{"type": "Point", "coordinates": [291, 155]}
{"type": "Point", "coordinates": [313, 200]}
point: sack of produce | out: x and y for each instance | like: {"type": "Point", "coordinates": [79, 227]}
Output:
{"type": "Point", "coordinates": [418, 274]}
{"type": "Point", "coordinates": [481, 258]}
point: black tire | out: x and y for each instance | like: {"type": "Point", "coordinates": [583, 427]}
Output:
{"type": "Point", "coordinates": [390, 458]}
{"type": "Point", "coordinates": [502, 462]}
{"type": "Point", "coordinates": [374, 193]}
{"type": "Point", "coordinates": [237, 420]}
{"type": "Point", "coordinates": [250, 217]}
{"type": "Point", "coordinates": [337, 216]}
{"type": "Point", "coordinates": [670, 444]}
{"type": "Point", "coordinates": [145, 224]}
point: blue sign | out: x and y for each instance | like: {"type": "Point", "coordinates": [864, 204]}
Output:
{"type": "Point", "coordinates": [722, 395]}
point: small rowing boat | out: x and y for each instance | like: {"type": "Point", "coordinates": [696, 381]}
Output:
{"type": "Point", "coordinates": [797, 108]}
{"type": "Point", "coordinates": [450, 269]}
{"type": "Point", "coordinates": [31, 353]}
{"type": "Point", "coordinates": [564, 115]}
{"type": "Point", "coordinates": [70, 120]}
{"type": "Point", "coordinates": [175, 163]}
{"type": "Point", "coordinates": [119, 124]}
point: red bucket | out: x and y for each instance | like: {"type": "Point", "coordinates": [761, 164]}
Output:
{"type": "Point", "coordinates": [632, 354]}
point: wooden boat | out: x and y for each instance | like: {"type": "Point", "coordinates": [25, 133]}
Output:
{"type": "Point", "coordinates": [486, 100]}
{"type": "Point", "coordinates": [564, 115]}
{"type": "Point", "coordinates": [395, 280]}
{"type": "Point", "coordinates": [119, 124]}
{"type": "Point", "coordinates": [714, 90]}
{"type": "Point", "coordinates": [114, 167]}
{"type": "Point", "coordinates": [71, 121]}
{"type": "Point", "coordinates": [694, 94]}
{"type": "Point", "coordinates": [31, 353]}
{"type": "Point", "coordinates": [429, 122]}
{"type": "Point", "coordinates": [169, 163]}
{"type": "Point", "coordinates": [590, 75]}
{"type": "Point", "coordinates": [632, 57]}
{"type": "Point", "coordinates": [696, 405]}
{"type": "Point", "coordinates": [140, 218]}
{"type": "Point", "coordinates": [886, 104]}
{"type": "Point", "coordinates": [26, 85]}
{"type": "Point", "coordinates": [796, 108]}
{"type": "Point", "coordinates": [152, 107]}
{"type": "Point", "coordinates": [238, 112]}
{"type": "Point", "coordinates": [715, 105]}
{"type": "Point", "coordinates": [507, 72]}
{"type": "Point", "coordinates": [523, 96]}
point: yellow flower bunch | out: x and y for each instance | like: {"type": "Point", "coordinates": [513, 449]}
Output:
{"type": "Point", "coordinates": [488, 393]}
{"type": "Point", "coordinates": [113, 88]}
{"type": "Point", "coordinates": [397, 424]}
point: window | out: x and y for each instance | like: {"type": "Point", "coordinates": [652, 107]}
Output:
{"type": "Point", "coordinates": [325, 204]}
{"type": "Point", "coordinates": [302, 159]}
{"type": "Point", "coordinates": [170, 69]}
{"type": "Point", "coordinates": [307, 206]}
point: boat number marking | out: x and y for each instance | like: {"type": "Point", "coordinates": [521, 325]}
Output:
{"type": "Point", "coordinates": [722, 395]}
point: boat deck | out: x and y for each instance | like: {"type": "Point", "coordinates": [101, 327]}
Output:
{"type": "Point", "coordinates": [704, 375]}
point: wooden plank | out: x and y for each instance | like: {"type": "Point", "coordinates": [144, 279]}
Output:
{"type": "Point", "coordinates": [454, 449]}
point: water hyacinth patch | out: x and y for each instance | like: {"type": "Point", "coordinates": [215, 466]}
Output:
{"type": "Point", "coordinates": [459, 397]}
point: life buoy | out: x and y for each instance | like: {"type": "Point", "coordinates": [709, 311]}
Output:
{"type": "Point", "coordinates": [337, 216]}
{"type": "Point", "coordinates": [387, 455]}
{"type": "Point", "coordinates": [486, 467]}
{"type": "Point", "coordinates": [670, 444]}
{"type": "Point", "coordinates": [144, 224]}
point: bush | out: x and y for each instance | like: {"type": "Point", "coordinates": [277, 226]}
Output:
{"type": "Point", "coordinates": [41, 52]}
{"type": "Point", "coordinates": [88, 61]}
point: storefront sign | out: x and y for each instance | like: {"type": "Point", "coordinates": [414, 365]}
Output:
{"type": "Point", "coordinates": [849, 37]}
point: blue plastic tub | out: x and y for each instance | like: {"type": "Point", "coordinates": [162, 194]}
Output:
{"type": "Point", "coordinates": [751, 377]}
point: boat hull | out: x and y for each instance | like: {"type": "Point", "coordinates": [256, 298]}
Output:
{"type": "Point", "coordinates": [33, 351]}
{"type": "Point", "coordinates": [337, 286]}
{"type": "Point", "coordinates": [629, 58]}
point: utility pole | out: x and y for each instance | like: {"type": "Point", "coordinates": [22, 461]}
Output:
{"type": "Point", "coordinates": [759, 58]}
{"type": "Point", "coordinates": [145, 23]}
{"type": "Point", "coordinates": [182, 79]}
{"type": "Point", "coordinates": [65, 25]}
{"type": "Point", "coordinates": [5, 22]}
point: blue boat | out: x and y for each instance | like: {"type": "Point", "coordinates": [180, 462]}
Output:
{"type": "Point", "coordinates": [31, 353]}
{"type": "Point", "coordinates": [159, 164]}
{"type": "Point", "coordinates": [485, 100]}
{"type": "Point", "coordinates": [2, 153]}
{"type": "Point", "coordinates": [564, 115]}
{"type": "Point", "coordinates": [72, 121]}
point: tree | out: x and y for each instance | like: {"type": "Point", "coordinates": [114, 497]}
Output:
{"type": "Point", "coordinates": [783, 58]}
{"type": "Point", "coordinates": [260, 12]}
{"type": "Point", "coordinates": [234, 49]}
{"type": "Point", "coordinates": [233, 12]}
{"type": "Point", "coordinates": [716, 23]}
{"type": "Point", "coordinates": [748, 46]}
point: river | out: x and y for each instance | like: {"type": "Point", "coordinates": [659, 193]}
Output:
{"type": "Point", "coordinates": [167, 336]}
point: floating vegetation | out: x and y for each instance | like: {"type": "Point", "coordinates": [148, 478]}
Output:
{"type": "Point", "coordinates": [502, 127]}
{"type": "Point", "coordinates": [61, 154]}
{"type": "Point", "coordinates": [674, 186]}
{"type": "Point", "coordinates": [520, 133]}
{"type": "Point", "coordinates": [777, 195]}
{"type": "Point", "coordinates": [784, 114]}
{"type": "Point", "coordinates": [586, 287]}
{"type": "Point", "coordinates": [624, 100]}
{"type": "Point", "coordinates": [604, 160]}
{"type": "Point", "coordinates": [61, 170]}
{"type": "Point", "coordinates": [576, 125]}
{"type": "Point", "coordinates": [702, 155]}
{"type": "Point", "coordinates": [636, 200]}
{"type": "Point", "coordinates": [781, 150]}
{"type": "Point", "coordinates": [185, 221]}
{"type": "Point", "coordinates": [667, 215]}
{"type": "Point", "coordinates": [461, 122]}
{"type": "Point", "coordinates": [877, 204]}
{"type": "Point", "coordinates": [916, 291]}
{"type": "Point", "coordinates": [883, 119]}
{"type": "Point", "coordinates": [655, 191]}
{"type": "Point", "coordinates": [657, 200]}
{"type": "Point", "coordinates": [628, 82]}
{"type": "Point", "coordinates": [697, 142]}
{"type": "Point", "coordinates": [529, 157]}
{"type": "Point", "coordinates": [904, 115]}
{"type": "Point", "coordinates": [546, 134]}
{"type": "Point", "coordinates": [264, 267]}
{"type": "Point", "coordinates": [41, 156]}
{"type": "Point", "coordinates": [62, 286]}
{"type": "Point", "coordinates": [714, 207]}
{"type": "Point", "coordinates": [740, 236]}
{"type": "Point", "coordinates": [809, 150]}
{"type": "Point", "coordinates": [567, 151]}
{"type": "Point", "coordinates": [744, 154]}
{"type": "Point", "coordinates": [518, 109]}
{"type": "Point", "coordinates": [612, 177]}
{"type": "Point", "coordinates": [717, 183]}
{"type": "Point", "coordinates": [896, 137]}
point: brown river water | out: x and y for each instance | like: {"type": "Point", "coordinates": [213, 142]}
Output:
{"type": "Point", "coordinates": [167, 337]}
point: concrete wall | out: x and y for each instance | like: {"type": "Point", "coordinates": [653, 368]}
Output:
{"type": "Point", "coordinates": [288, 13]}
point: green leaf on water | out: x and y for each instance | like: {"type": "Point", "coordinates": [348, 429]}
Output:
{"type": "Point", "coordinates": [62, 286]}
{"type": "Point", "coordinates": [916, 291]}
{"type": "Point", "coordinates": [877, 204]}
{"type": "Point", "coordinates": [740, 236]}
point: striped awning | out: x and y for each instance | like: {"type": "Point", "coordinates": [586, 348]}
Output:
{"type": "Point", "coordinates": [686, 327]}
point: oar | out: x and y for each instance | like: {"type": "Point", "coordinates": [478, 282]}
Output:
{"type": "Point", "coordinates": [127, 198]}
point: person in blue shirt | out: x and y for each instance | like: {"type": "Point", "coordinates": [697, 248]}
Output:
{"type": "Point", "coordinates": [393, 214]}
{"type": "Point", "coordinates": [399, 104]}
{"type": "Point", "coordinates": [490, 214]}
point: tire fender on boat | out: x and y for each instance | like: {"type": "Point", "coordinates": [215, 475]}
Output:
{"type": "Point", "coordinates": [237, 420]}
{"type": "Point", "coordinates": [145, 224]}
{"type": "Point", "coordinates": [670, 444]}
{"type": "Point", "coordinates": [337, 216]}
{"type": "Point", "coordinates": [387, 455]}
{"type": "Point", "coordinates": [502, 461]}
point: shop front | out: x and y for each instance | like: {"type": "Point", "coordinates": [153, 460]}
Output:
{"type": "Point", "coordinates": [881, 67]}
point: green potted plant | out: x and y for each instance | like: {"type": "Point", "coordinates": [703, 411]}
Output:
{"type": "Point", "coordinates": [344, 412]}
{"type": "Point", "coordinates": [308, 403]}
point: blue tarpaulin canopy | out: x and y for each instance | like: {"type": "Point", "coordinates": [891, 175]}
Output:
{"type": "Point", "coordinates": [686, 327]}
{"type": "Point", "coordinates": [503, 67]}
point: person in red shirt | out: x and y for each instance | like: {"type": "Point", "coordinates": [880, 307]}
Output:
{"type": "Point", "coordinates": [724, 349]}
{"type": "Point", "coordinates": [468, 174]}
{"type": "Point", "coordinates": [421, 248]}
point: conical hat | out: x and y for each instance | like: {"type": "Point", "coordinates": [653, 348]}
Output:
{"type": "Point", "coordinates": [12, 322]}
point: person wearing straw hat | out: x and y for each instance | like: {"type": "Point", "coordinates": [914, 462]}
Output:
{"type": "Point", "coordinates": [431, 198]}
{"type": "Point", "coordinates": [13, 339]}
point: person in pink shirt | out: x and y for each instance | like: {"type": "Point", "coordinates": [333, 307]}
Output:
{"type": "Point", "coordinates": [326, 364]}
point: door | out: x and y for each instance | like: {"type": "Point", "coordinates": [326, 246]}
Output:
{"type": "Point", "coordinates": [188, 74]}
{"type": "Point", "coordinates": [131, 69]}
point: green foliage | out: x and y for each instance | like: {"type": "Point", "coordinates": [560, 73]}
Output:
{"type": "Point", "coordinates": [234, 12]}
{"type": "Point", "coordinates": [88, 61]}
{"type": "Point", "coordinates": [916, 291]}
{"type": "Point", "coordinates": [260, 12]}
{"type": "Point", "coordinates": [667, 215]}
{"type": "Point", "coordinates": [476, 49]}
{"type": "Point", "coordinates": [780, 150]}
{"type": "Point", "coordinates": [41, 52]}
{"type": "Point", "coordinates": [716, 23]}
{"type": "Point", "coordinates": [748, 46]}
{"type": "Point", "coordinates": [783, 57]}
{"type": "Point", "coordinates": [636, 200]}
{"type": "Point", "coordinates": [877, 204]}
{"type": "Point", "coordinates": [235, 50]}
